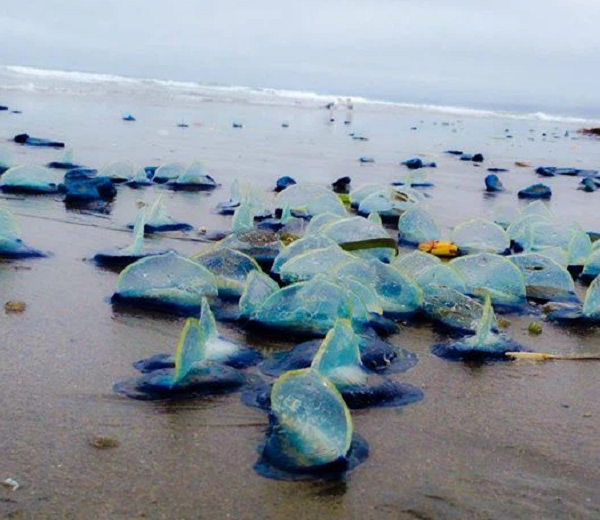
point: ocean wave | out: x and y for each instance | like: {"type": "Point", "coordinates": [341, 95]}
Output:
{"type": "Point", "coordinates": [212, 91]}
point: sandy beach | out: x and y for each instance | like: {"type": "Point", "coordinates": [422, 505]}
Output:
{"type": "Point", "coordinates": [502, 441]}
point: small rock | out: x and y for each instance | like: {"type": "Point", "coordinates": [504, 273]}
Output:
{"type": "Point", "coordinates": [587, 414]}
{"type": "Point", "coordinates": [103, 443]}
{"type": "Point", "coordinates": [535, 327]}
{"type": "Point", "coordinates": [10, 483]}
{"type": "Point", "coordinates": [15, 306]}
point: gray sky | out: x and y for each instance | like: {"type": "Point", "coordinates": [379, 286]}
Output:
{"type": "Point", "coordinates": [529, 54]}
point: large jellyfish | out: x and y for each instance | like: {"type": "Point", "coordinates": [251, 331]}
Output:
{"type": "Point", "coordinates": [65, 163]}
{"type": "Point", "coordinates": [310, 308]}
{"type": "Point", "coordinates": [591, 269]}
{"type": "Point", "coordinates": [118, 172]}
{"type": "Point", "coordinates": [484, 345]}
{"type": "Point", "coordinates": [11, 243]}
{"type": "Point", "coordinates": [304, 266]}
{"type": "Point", "coordinates": [139, 179]}
{"type": "Point", "coordinates": [339, 359]}
{"type": "Point", "coordinates": [261, 244]}
{"type": "Point", "coordinates": [451, 309]}
{"type": "Point", "coordinates": [417, 225]}
{"type": "Point", "coordinates": [399, 295]}
{"type": "Point", "coordinates": [414, 263]}
{"type": "Point", "coordinates": [31, 179]}
{"type": "Point", "coordinates": [231, 268]}
{"type": "Point", "coordinates": [495, 275]}
{"type": "Point", "coordinates": [303, 245]}
{"type": "Point", "coordinates": [441, 275]}
{"type": "Point", "coordinates": [259, 287]}
{"type": "Point", "coordinates": [167, 282]}
{"type": "Point", "coordinates": [309, 200]}
{"type": "Point", "coordinates": [363, 237]}
{"type": "Point", "coordinates": [192, 374]}
{"type": "Point", "coordinates": [545, 280]}
{"type": "Point", "coordinates": [124, 256]}
{"type": "Point", "coordinates": [310, 432]}
{"type": "Point", "coordinates": [572, 312]}
{"type": "Point", "coordinates": [168, 172]}
{"type": "Point", "coordinates": [481, 236]}
{"type": "Point", "coordinates": [194, 178]}
{"type": "Point", "coordinates": [215, 348]}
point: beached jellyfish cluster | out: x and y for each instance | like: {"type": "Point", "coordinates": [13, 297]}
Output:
{"type": "Point", "coordinates": [334, 269]}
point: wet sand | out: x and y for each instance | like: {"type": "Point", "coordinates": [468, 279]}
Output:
{"type": "Point", "coordinates": [503, 441]}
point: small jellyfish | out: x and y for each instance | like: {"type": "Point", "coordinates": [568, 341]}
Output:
{"type": "Point", "coordinates": [216, 348]}
{"type": "Point", "coordinates": [192, 374]}
{"type": "Point", "coordinates": [484, 345]}
{"type": "Point", "coordinates": [11, 243]}
{"type": "Point", "coordinates": [135, 251]}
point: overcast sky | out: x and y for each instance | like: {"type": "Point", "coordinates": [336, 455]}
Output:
{"type": "Point", "coordinates": [509, 53]}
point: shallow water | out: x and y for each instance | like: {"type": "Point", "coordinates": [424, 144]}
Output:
{"type": "Point", "coordinates": [503, 441]}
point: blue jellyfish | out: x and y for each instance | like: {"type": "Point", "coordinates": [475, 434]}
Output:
{"type": "Point", "coordinates": [31, 179]}
{"type": "Point", "coordinates": [11, 243]}
{"type": "Point", "coordinates": [481, 236]}
{"type": "Point", "coordinates": [166, 282]}
{"type": "Point", "coordinates": [192, 374]}
{"type": "Point", "coordinates": [303, 245]}
{"type": "Point", "coordinates": [66, 163]}
{"type": "Point", "coordinates": [168, 172]}
{"type": "Point", "coordinates": [414, 263]}
{"type": "Point", "coordinates": [215, 348]}
{"type": "Point", "coordinates": [194, 178]}
{"type": "Point", "coordinates": [451, 309]}
{"type": "Point", "coordinates": [159, 220]}
{"type": "Point", "coordinates": [118, 172]}
{"type": "Point", "coordinates": [417, 225]}
{"type": "Point", "coordinates": [493, 275]}
{"type": "Point", "coordinates": [135, 251]}
{"type": "Point", "coordinates": [484, 345]}
{"type": "Point", "coordinates": [310, 435]}
{"type": "Point", "coordinates": [306, 265]}
{"type": "Point", "coordinates": [230, 267]}
{"type": "Point", "coordinates": [140, 179]}
{"type": "Point", "coordinates": [545, 280]}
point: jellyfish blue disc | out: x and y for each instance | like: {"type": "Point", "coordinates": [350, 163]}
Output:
{"type": "Point", "coordinates": [380, 392]}
{"type": "Point", "coordinates": [244, 358]}
{"type": "Point", "coordinates": [210, 379]}
{"type": "Point", "coordinates": [460, 351]}
{"type": "Point", "coordinates": [334, 471]}
{"type": "Point", "coordinates": [376, 355]}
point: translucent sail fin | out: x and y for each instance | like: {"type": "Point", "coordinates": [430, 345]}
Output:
{"type": "Point", "coordinates": [137, 245]}
{"type": "Point", "coordinates": [484, 332]}
{"type": "Point", "coordinates": [338, 357]}
{"type": "Point", "coordinates": [235, 193]}
{"type": "Point", "coordinates": [375, 218]}
{"type": "Point", "coordinates": [259, 287]}
{"type": "Point", "coordinates": [140, 175]}
{"type": "Point", "coordinates": [68, 157]}
{"type": "Point", "coordinates": [313, 423]}
{"type": "Point", "coordinates": [286, 214]}
{"type": "Point", "coordinates": [158, 210]}
{"type": "Point", "coordinates": [208, 324]}
{"type": "Point", "coordinates": [9, 229]}
{"type": "Point", "coordinates": [243, 218]}
{"type": "Point", "coordinates": [591, 304]}
{"type": "Point", "coordinates": [190, 349]}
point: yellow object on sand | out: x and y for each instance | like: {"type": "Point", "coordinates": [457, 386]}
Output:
{"type": "Point", "coordinates": [542, 356]}
{"type": "Point", "coordinates": [439, 248]}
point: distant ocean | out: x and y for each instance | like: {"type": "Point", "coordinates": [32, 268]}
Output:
{"type": "Point", "coordinates": [29, 79]}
